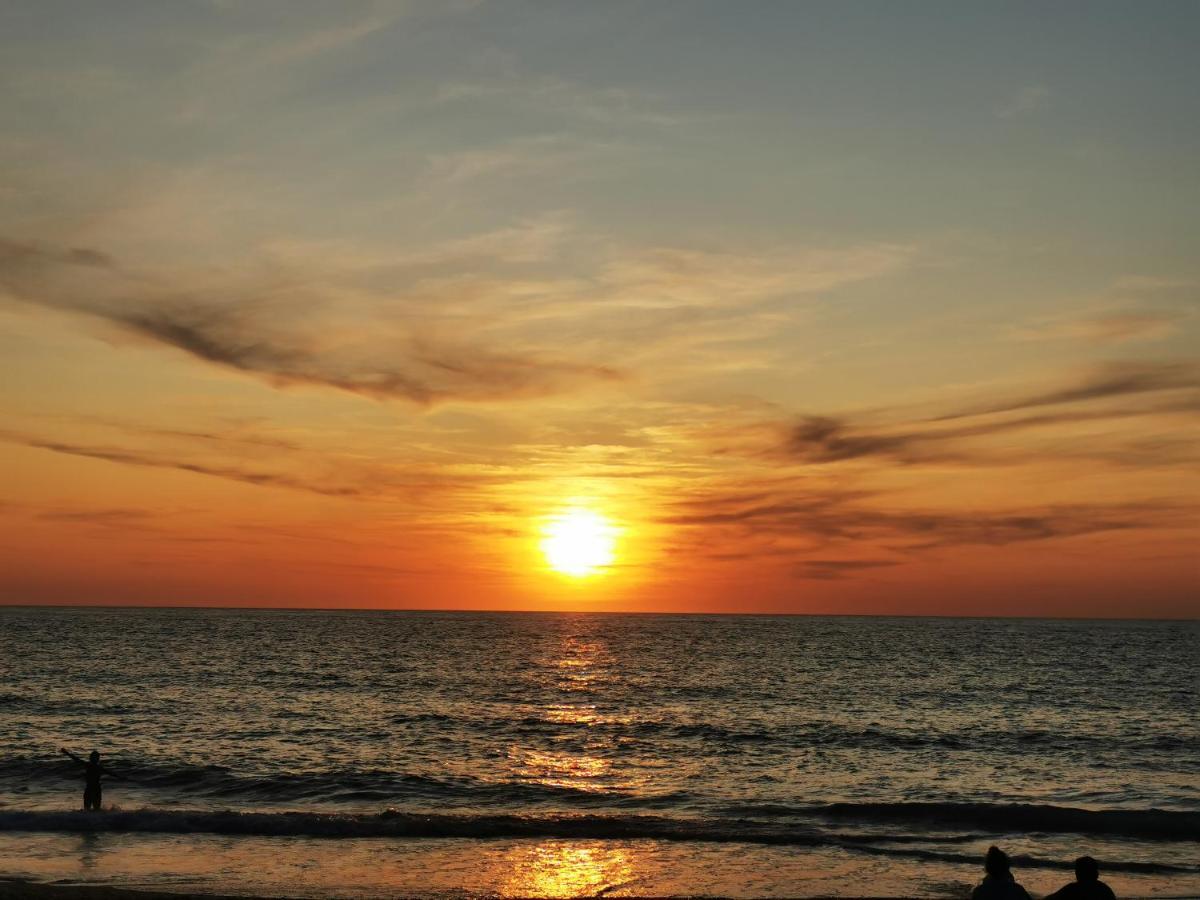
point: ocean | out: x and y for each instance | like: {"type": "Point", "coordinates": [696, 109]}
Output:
{"type": "Point", "coordinates": [444, 754]}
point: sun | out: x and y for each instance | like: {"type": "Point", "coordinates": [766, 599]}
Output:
{"type": "Point", "coordinates": [579, 542]}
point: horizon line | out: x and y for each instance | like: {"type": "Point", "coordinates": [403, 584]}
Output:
{"type": "Point", "coordinates": [589, 612]}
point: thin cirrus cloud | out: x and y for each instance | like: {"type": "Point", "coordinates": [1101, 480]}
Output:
{"type": "Point", "coordinates": [1024, 101]}
{"type": "Point", "coordinates": [830, 518]}
{"type": "Point", "coordinates": [147, 459]}
{"type": "Point", "coordinates": [263, 333]}
{"type": "Point", "coordinates": [1113, 379]}
{"type": "Point", "coordinates": [791, 517]}
{"type": "Point", "coordinates": [1109, 328]}
{"type": "Point", "coordinates": [837, 569]}
{"type": "Point", "coordinates": [440, 324]}
{"type": "Point", "coordinates": [1163, 389]}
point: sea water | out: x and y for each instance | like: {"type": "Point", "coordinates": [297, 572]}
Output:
{"type": "Point", "coordinates": [355, 754]}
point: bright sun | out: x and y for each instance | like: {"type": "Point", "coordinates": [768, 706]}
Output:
{"type": "Point", "coordinates": [579, 542]}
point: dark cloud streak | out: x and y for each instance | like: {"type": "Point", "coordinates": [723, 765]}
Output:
{"type": "Point", "coordinates": [139, 458]}
{"type": "Point", "coordinates": [837, 569]}
{"type": "Point", "coordinates": [1114, 379]}
{"type": "Point", "coordinates": [828, 439]}
{"type": "Point", "coordinates": [248, 331]}
{"type": "Point", "coordinates": [832, 516]}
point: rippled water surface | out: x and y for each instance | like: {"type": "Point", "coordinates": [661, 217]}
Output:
{"type": "Point", "coordinates": [909, 742]}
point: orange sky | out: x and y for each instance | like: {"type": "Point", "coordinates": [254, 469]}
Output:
{"type": "Point", "coordinates": [338, 307]}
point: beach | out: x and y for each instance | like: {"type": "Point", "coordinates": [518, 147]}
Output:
{"type": "Point", "coordinates": [15, 890]}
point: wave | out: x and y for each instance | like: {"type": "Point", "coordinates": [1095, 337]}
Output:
{"type": "Point", "coordinates": [999, 817]}
{"type": "Point", "coordinates": [401, 825]}
{"type": "Point", "coordinates": [1138, 748]}
{"type": "Point", "coordinates": [215, 784]}
{"type": "Point", "coordinates": [220, 783]}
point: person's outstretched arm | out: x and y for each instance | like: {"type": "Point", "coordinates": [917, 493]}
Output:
{"type": "Point", "coordinates": [111, 774]}
{"type": "Point", "coordinates": [66, 752]}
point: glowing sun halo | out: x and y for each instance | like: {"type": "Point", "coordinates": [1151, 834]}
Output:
{"type": "Point", "coordinates": [579, 542]}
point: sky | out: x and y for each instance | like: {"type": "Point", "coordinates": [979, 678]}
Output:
{"type": "Point", "coordinates": [845, 307]}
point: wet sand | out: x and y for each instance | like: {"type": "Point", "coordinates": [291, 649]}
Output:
{"type": "Point", "coordinates": [25, 890]}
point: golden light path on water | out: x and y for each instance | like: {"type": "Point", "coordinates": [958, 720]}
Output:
{"type": "Point", "coordinates": [560, 868]}
{"type": "Point", "coordinates": [567, 869]}
{"type": "Point", "coordinates": [579, 663]}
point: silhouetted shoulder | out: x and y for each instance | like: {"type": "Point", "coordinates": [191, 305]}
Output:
{"type": "Point", "coordinates": [993, 889]}
{"type": "Point", "coordinates": [1083, 890]}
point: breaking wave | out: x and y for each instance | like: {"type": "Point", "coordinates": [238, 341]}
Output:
{"type": "Point", "coordinates": [815, 831]}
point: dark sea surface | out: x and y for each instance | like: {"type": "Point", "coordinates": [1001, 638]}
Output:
{"type": "Point", "coordinates": [621, 754]}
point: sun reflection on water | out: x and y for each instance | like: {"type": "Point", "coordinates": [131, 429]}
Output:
{"type": "Point", "coordinates": [584, 756]}
{"type": "Point", "coordinates": [566, 869]}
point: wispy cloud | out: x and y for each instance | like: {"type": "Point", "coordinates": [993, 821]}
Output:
{"type": "Point", "coordinates": [262, 330]}
{"type": "Point", "coordinates": [1164, 390]}
{"type": "Point", "coordinates": [122, 518]}
{"type": "Point", "coordinates": [836, 569]}
{"type": "Point", "coordinates": [462, 320]}
{"type": "Point", "coordinates": [1113, 379]}
{"type": "Point", "coordinates": [1132, 308]}
{"type": "Point", "coordinates": [523, 157]}
{"type": "Point", "coordinates": [824, 517]}
{"type": "Point", "coordinates": [132, 457]}
{"type": "Point", "coordinates": [1026, 100]}
{"type": "Point", "coordinates": [1109, 328]}
{"type": "Point", "coordinates": [673, 277]}
{"type": "Point", "coordinates": [607, 106]}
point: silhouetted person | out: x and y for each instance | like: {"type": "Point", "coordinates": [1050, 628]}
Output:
{"type": "Point", "coordinates": [92, 773]}
{"type": "Point", "coordinates": [1087, 884]}
{"type": "Point", "coordinates": [999, 883]}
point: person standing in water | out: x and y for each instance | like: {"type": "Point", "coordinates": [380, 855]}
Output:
{"type": "Point", "coordinates": [92, 773]}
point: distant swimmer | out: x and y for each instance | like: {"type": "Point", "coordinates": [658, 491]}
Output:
{"type": "Point", "coordinates": [1087, 884]}
{"type": "Point", "coordinates": [999, 883]}
{"type": "Point", "coordinates": [92, 773]}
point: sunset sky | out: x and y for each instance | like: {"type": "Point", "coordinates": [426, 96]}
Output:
{"type": "Point", "coordinates": [815, 307]}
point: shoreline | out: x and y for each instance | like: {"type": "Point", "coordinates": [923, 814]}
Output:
{"type": "Point", "coordinates": [18, 889]}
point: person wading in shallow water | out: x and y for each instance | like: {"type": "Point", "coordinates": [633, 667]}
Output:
{"type": "Point", "coordinates": [92, 773]}
{"type": "Point", "coordinates": [999, 883]}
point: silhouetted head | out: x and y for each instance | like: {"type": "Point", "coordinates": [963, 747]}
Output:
{"type": "Point", "coordinates": [996, 862]}
{"type": "Point", "coordinates": [94, 756]}
{"type": "Point", "coordinates": [1087, 869]}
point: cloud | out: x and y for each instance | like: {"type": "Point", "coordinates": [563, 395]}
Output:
{"type": "Point", "coordinates": [465, 320]}
{"type": "Point", "coordinates": [823, 439]}
{"type": "Point", "coordinates": [825, 516]}
{"type": "Point", "coordinates": [554, 95]}
{"type": "Point", "coordinates": [1106, 328]}
{"type": "Point", "coordinates": [837, 569]}
{"type": "Point", "coordinates": [1109, 380]}
{"type": "Point", "coordinates": [1026, 100]}
{"type": "Point", "coordinates": [1163, 389]}
{"type": "Point", "coordinates": [806, 508]}
{"type": "Point", "coordinates": [519, 157]}
{"type": "Point", "coordinates": [671, 277]}
{"type": "Point", "coordinates": [29, 256]}
{"type": "Point", "coordinates": [282, 333]}
{"type": "Point", "coordinates": [429, 371]}
{"type": "Point", "coordinates": [131, 457]}
{"type": "Point", "coordinates": [826, 439]}
{"type": "Point", "coordinates": [1131, 308]}
{"type": "Point", "coordinates": [123, 519]}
